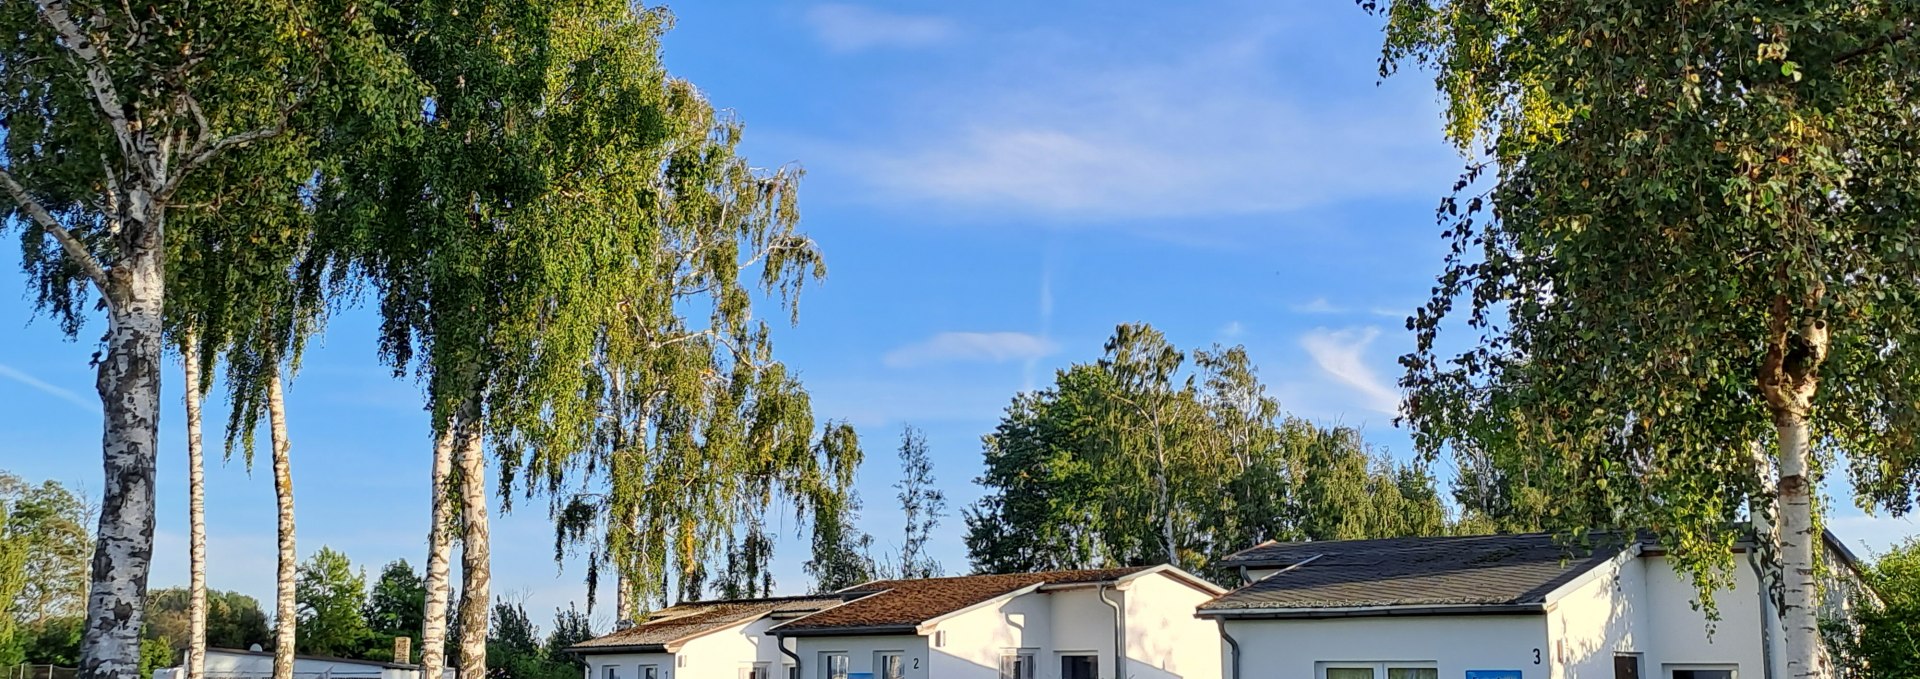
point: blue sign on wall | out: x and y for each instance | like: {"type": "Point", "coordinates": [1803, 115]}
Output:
{"type": "Point", "coordinates": [1493, 674]}
{"type": "Point", "coordinates": [859, 675]}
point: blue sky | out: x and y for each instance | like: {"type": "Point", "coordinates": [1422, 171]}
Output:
{"type": "Point", "coordinates": [995, 185]}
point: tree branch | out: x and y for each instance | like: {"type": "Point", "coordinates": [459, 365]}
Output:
{"type": "Point", "coordinates": [75, 250]}
{"type": "Point", "coordinates": [203, 154]}
{"type": "Point", "coordinates": [1898, 35]}
{"type": "Point", "coordinates": [99, 80]}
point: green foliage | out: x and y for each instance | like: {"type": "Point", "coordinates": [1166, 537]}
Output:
{"type": "Point", "coordinates": [155, 654]}
{"type": "Point", "coordinates": [921, 507]}
{"type": "Point", "coordinates": [330, 595]}
{"type": "Point", "coordinates": [841, 551]}
{"type": "Point", "coordinates": [1137, 460]}
{"type": "Point", "coordinates": [48, 528]}
{"type": "Point", "coordinates": [396, 606]}
{"type": "Point", "coordinates": [55, 641]}
{"type": "Point", "coordinates": [234, 620]}
{"type": "Point", "coordinates": [1686, 216]}
{"type": "Point", "coordinates": [515, 649]}
{"type": "Point", "coordinates": [1882, 641]}
{"type": "Point", "coordinates": [570, 627]}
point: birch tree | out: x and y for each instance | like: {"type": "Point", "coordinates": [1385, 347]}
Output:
{"type": "Point", "coordinates": [113, 111]}
{"type": "Point", "coordinates": [1686, 227]}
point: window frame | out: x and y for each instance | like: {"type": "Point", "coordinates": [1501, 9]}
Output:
{"type": "Point", "coordinates": [826, 664]}
{"type": "Point", "coordinates": [1025, 663]}
{"type": "Point", "coordinates": [1667, 670]}
{"type": "Point", "coordinates": [1380, 668]}
{"type": "Point", "coordinates": [610, 671]}
{"type": "Point", "coordinates": [649, 672]}
{"type": "Point", "coordinates": [880, 664]}
{"type": "Point", "coordinates": [1092, 658]}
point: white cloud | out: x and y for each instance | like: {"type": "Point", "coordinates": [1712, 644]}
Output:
{"type": "Point", "coordinates": [1319, 305]}
{"type": "Point", "coordinates": [87, 404]}
{"type": "Point", "coordinates": [1080, 135]}
{"type": "Point", "coordinates": [1341, 355]}
{"type": "Point", "coordinates": [1232, 330]}
{"type": "Point", "coordinates": [851, 28]}
{"type": "Point", "coordinates": [971, 347]}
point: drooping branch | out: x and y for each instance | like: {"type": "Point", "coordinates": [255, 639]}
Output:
{"type": "Point", "coordinates": [75, 249]}
{"type": "Point", "coordinates": [99, 79]}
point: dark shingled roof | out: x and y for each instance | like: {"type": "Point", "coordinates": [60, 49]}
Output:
{"type": "Point", "coordinates": [893, 606]}
{"type": "Point", "coordinates": [1499, 572]}
{"type": "Point", "coordinates": [667, 626]}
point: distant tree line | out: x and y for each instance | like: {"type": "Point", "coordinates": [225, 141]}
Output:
{"type": "Point", "coordinates": [1155, 455]}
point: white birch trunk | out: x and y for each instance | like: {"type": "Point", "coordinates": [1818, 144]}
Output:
{"type": "Point", "coordinates": [129, 386]}
{"type": "Point", "coordinates": [196, 515]}
{"type": "Point", "coordinates": [284, 606]}
{"type": "Point", "coordinates": [433, 635]}
{"type": "Point", "coordinates": [1798, 539]}
{"type": "Point", "coordinates": [476, 576]}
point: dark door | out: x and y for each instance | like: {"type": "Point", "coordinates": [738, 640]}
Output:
{"type": "Point", "coordinates": [1626, 667]}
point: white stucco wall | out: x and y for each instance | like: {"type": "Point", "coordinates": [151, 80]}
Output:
{"type": "Point", "coordinates": [1294, 649]}
{"type": "Point", "coordinates": [1679, 634]}
{"type": "Point", "coordinates": [232, 664]}
{"type": "Point", "coordinates": [977, 639]}
{"type": "Point", "coordinates": [1164, 639]}
{"type": "Point", "coordinates": [863, 652]}
{"type": "Point", "coordinates": [628, 664]}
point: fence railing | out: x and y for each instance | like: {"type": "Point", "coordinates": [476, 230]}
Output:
{"type": "Point", "coordinates": [39, 672]}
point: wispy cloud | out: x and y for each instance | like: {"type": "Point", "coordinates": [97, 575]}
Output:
{"type": "Point", "coordinates": [852, 28]}
{"type": "Point", "coordinates": [1077, 134]}
{"type": "Point", "coordinates": [87, 404]}
{"type": "Point", "coordinates": [1318, 305]}
{"type": "Point", "coordinates": [1232, 330]}
{"type": "Point", "coordinates": [970, 347]}
{"type": "Point", "coordinates": [1341, 354]}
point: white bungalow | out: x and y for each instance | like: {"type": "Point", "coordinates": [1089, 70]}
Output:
{"type": "Point", "coordinates": [1057, 625]}
{"type": "Point", "coordinates": [1493, 607]}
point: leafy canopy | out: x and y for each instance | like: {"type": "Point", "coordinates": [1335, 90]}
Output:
{"type": "Point", "coordinates": [1679, 192]}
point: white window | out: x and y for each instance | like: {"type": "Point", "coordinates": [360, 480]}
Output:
{"type": "Point", "coordinates": [1703, 672]}
{"type": "Point", "coordinates": [755, 671]}
{"type": "Point", "coordinates": [939, 638]}
{"type": "Point", "coordinates": [611, 672]}
{"type": "Point", "coordinates": [1379, 670]}
{"type": "Point", "coordinates": [833, 665]}
{"type": "Point", "coordinates": [649, 672]}
{"type": "Point", "coordinates": [1016, 665]}
{"type": "Point", "coordinates": [889, 665]}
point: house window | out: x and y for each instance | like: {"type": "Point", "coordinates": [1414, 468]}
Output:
{"type": "Point", "coordinates": [833, 666]}
{"type": "Point", "coordinates": [649, 672]}
{"type": "Point", "coordinates": [755, 671]}
{"type": "Point", "coordinates": [1703, 672]}
{"type": "Point", "coordinates": [611, 672]}
{"type": "Point", "coordinates": [1626, 666]}
{"type": "Point", "coordinates": [1379, 670]}
{"type": "Point", "coordinates": [889, 665]}
{"type": "Point", "coordinates": [1016, 665]}
{"type": "Point", "coordinates": [1079, 667]}
{"type": "Point", "coordinates": [940, 638]}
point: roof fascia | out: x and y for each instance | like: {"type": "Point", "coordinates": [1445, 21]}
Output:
{"type": "Point", "coordinates": [927, 625]}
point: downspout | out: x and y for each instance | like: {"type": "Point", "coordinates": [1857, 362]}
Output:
{"type": "Point", "coordinates": [1766, 614]}
{"type": "Point", "coordinates": [1119, 634]}
{"type": "Point", "coordinates": [781, 642]}
{"type": "Point", "coordinates": [1233, 645]}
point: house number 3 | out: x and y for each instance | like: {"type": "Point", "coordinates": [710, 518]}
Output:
{"type": "Point", "coordinates": [1536, 656]}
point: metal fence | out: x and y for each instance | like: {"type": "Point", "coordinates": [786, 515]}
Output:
{"type": "Point", "coordinates": [39, 672]}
